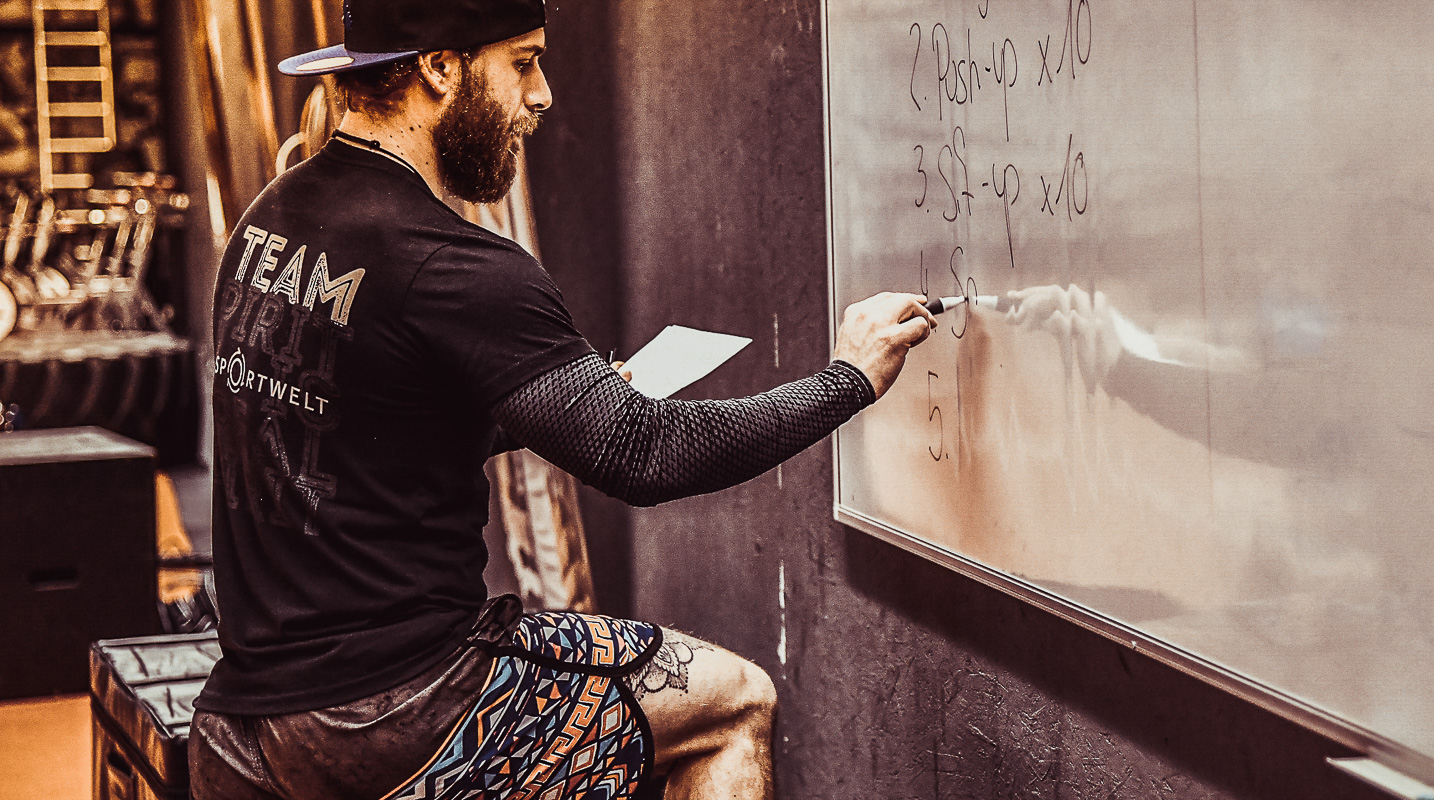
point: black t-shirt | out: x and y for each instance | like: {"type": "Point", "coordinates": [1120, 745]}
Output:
{"type": "Point", "coordinates": [363, 332]}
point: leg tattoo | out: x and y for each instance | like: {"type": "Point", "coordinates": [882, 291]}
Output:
{"type": "Point", "coordinates": [668, 666]}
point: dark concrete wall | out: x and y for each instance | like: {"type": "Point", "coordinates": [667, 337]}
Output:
{"type": "Point", "coordinates": [680, 179]}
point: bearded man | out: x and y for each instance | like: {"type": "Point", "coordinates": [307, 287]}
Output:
{"type": "Point", "coordinates": [374, 348]}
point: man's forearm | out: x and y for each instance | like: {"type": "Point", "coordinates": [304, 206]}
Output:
{"type": "Point", "coordinates": [587, 420]}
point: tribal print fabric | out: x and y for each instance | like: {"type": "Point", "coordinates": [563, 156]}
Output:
{"type": "Point", "coordinates": [555, 720]}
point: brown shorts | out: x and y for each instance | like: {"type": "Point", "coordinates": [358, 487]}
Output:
{"type": "Point", "coordinates": [546, 716]}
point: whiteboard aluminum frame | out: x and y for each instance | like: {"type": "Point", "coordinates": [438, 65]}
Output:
{"type": "Point", "coordinates": [1296, 710]}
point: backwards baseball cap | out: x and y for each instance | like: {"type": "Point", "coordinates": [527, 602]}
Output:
{"type": "Point", "coordinates": [380, 31]}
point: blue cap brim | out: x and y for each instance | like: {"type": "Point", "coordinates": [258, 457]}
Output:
{"type": "Point", "coordinates": [336, 59]}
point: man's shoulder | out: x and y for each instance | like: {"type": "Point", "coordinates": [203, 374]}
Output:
{"type": "Point", "coordinates": [471, 241]}
{"type": "Point", "coordinates": [481, 269]}
{"type": "Point", "coordinates": [476, 252]}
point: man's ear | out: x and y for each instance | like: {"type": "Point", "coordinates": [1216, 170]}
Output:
{"type": "Point", "coordinates": [441, 70]}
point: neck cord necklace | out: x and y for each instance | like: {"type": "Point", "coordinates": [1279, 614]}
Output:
{"type": "Point", "coordinates": [373, 144]}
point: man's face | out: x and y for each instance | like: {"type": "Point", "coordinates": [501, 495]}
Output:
{"type": "Point", "coordinates": [479, 134]}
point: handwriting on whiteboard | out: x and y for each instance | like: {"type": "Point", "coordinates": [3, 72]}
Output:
{"type": "Point", "coordinates": [979, 178]}
{"type": "Point", "coordinates": [946, 76]}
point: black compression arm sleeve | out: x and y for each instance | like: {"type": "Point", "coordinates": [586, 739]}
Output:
{"type": "Point", "coordinates": [584, 418]}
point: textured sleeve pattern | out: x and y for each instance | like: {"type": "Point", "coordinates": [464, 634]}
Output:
{"type": "Point", "coordinates": [587, 420]}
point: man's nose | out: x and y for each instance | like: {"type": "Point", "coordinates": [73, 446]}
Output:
{"type": "Point", "coordinates": [538, 96]}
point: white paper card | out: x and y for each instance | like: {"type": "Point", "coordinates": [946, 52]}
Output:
{"type": "Point", "coordinates": [679, 356]}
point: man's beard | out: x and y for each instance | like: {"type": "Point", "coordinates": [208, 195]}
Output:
{"type": "Point", "coordinates": [477, 148]}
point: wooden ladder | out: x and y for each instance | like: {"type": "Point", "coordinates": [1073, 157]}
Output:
{"type": "Point", "coordinates": [96, 38]}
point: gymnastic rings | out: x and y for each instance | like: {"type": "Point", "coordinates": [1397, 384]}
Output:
{"type": "Point", "coordinates": [8, 311]}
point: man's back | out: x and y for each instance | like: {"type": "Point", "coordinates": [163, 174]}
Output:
{"type": "Point", "coordinates": [362, 329]}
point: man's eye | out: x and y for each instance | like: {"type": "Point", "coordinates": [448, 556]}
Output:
{"type": "Point", "coordinates": [523, 66]}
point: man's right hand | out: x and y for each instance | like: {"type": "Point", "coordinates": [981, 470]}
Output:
{"type": "Point", "coordinates": [876, 332]}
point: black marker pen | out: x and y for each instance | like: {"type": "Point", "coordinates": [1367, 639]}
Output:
{"type": "Point", "coordinates": [936, 305]}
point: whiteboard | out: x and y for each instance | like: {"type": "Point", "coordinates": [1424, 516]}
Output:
{"type": "Point", "coordinates": [1207, 427]}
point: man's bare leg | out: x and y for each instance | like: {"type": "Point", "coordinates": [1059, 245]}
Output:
{"type": "Point", "coordinates": [711, 716]}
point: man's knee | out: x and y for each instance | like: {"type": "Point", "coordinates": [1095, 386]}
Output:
{"type": "Point", "coordinates": [759, 694]}
{"type": "Point", "coordinates": [698, 696]}
{"type": "Point", "coordinates": [743, 688]}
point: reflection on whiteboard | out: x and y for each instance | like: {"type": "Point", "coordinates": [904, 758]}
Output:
{"type": "Point", "coordinates": [1206, 411]}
